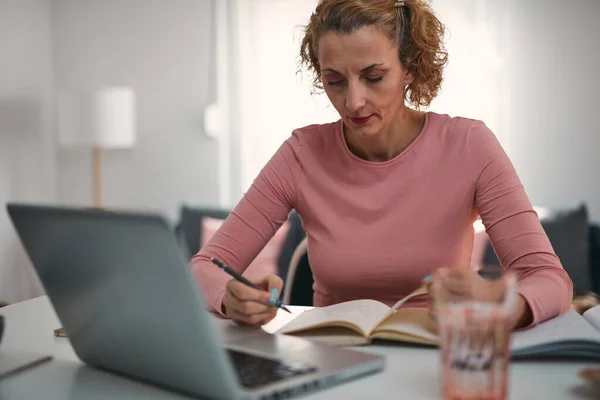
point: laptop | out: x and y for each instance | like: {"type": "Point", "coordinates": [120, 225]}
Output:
{"type": "Point", "coordinates": [129, 304]}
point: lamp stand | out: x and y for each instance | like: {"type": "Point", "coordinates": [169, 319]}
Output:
{"type": "Point", "coordinates": [97, 177]}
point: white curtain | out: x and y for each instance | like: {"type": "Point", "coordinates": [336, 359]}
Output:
{"type": "Point", "coordinates": [475, 84]}
{"type": "Point", "coordinates": [274, 99]}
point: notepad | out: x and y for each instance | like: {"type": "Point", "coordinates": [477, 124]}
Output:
{"type": "Point", "coordinates": [568, 335]}
{"type": "Point", "coordinates": [359, 322]}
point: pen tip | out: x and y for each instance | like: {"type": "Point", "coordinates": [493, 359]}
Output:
{"type": "Point", "coordinates": [284, 308]}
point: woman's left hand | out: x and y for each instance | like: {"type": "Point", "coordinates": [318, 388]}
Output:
{"type": "Point", "coordinates": [460, 284]}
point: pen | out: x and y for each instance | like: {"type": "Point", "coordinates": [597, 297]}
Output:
{"type": "Point", "coordinates": [23, 367]}
{"type": "Point", "coordinates": [245, 281]}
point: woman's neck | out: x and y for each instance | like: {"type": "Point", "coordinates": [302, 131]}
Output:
{"type": "Point", "coordinates": [393, 141]}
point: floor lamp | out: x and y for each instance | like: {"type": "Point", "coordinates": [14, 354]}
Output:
{"type": "Point", "coordinates": [100, 120]}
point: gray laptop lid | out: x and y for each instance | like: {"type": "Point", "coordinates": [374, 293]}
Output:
{"type": "Point", "coordinates": [90, 261]}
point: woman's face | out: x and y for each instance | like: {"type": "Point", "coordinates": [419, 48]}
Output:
{"type": "Point", "coordinates": [363, 78]}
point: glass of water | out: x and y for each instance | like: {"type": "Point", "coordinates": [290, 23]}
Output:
{"type": "Point", "coordinates": [475, 346]}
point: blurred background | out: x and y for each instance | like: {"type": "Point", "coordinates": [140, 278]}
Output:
{"type": "Point", "coordinates": [211, 91]}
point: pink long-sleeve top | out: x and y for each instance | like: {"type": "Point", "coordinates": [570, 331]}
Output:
{"type": "Point", "coordinates": [375, 229]}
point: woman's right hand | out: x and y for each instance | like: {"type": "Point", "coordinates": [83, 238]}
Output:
{"type": "Point", "coordinates": [251, 307]}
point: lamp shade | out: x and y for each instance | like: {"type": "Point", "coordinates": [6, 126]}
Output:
{"type": "Point", "coordinates": [103, 119]}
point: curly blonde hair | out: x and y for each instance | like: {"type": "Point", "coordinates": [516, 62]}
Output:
{"type": "Point", "coordinates": [412, 26]}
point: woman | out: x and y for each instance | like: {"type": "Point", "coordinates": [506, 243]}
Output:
{"type": "Point", "coordinates": [388, 194]}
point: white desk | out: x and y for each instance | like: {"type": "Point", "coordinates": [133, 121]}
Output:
{"type": "Point", "coordinates": [410, 373]}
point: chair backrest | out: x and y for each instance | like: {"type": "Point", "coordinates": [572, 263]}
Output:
{"type": "Point", "coordinates": [298, 289]}
{"type": "Point", "coordinates": [294, 236]}
{"type": "Point", "coordinates": [595, 256]}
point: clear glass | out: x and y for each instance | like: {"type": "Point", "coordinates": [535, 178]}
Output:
{"type": "Point", "coordinates": [475, 347]}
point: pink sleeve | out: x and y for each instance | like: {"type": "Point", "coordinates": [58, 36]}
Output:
{"type": "Point", "coordinates": [252, 223]}
{"type": "Point", "coordinates": [514, 228]}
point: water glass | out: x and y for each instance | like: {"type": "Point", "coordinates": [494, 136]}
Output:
{"type": "Point", "coordinates": [475, 347]}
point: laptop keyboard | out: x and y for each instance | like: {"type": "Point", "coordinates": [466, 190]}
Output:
{"type": "Point", "coordinates": [254, 371]}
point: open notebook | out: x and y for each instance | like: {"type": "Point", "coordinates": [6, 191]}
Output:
{"type": "Point", "coordinates": [359, 322]}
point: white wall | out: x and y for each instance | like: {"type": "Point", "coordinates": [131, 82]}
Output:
{"type": "Point", "coordinates": [162, 49]}
{"type": "Point", "coordinates": [555, 101]}
{"type": "Point", "coordinates": [27, 156]}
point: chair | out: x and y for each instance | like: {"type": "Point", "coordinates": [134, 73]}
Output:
{"type": "Point", "coordinates": [299, 279]}
{"type": "Point", "coordinates": [295, 235]}
{"type": "Point", "coordinates": [594, 236]}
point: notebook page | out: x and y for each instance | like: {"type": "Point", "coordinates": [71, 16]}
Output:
{"type": "Point", "coordinates": [419, 291]}
{"type": "Point", "coordinates": [566, 327]}
{"type": "Point", "coordinates": [366, 314]}
{"type": "Point", "coordinates": [412, 321]}
{"type": "Point", "coordinates": [593, 317]}
{"type": "Point", "coordinates": [283, 318]}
